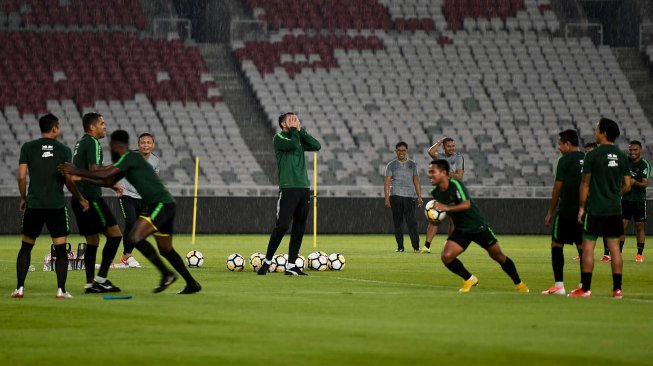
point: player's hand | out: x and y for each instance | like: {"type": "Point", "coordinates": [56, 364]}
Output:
{"type": "Point", "coordinates": [581, 214]}
{"type": "Point", "coordinates": [547, 219]}
{"type": "Point", "coordinates": [84, 203]}
{"type": "Point", "coordinates": [420, 202]}
{"type": "Point", "coordinates": [440, 207]}
{"type": "Point", "coordinates": [22, 205]}
{"type": "Point", "coordinates": [119, 190]}
{"type": "Point", "coordinates": [387, 203]}
{"type": "Point", "coordinates": [298, 123]}
{"type": "Point", "coordinates": [66, 168]}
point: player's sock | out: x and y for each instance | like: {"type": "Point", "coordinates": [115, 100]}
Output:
{"type": "Point", "coordinates": [621, 246]}
{"type": "Point", "coordinates": [178, 264]}
{"type": "Point", "coordinates": [509, 267]}
{"type": "Point", "coordinates": [616, 281]}
{"type": "Point", "coordinates": [640, 248]}
{"type": "Point", "coordinates": [558, 263]}
{"type": "Point", "coordinates": [586, 280]}
{"type": "Point", "coordinates": [456, 266]}
{"type": "Point", "coordinates": [427, 244]}
{"type": "Point", "coordinates": [89, 262]}
{"type": "Point", "coordinates": [61, 265]}
{"type": "Point", "coordinates": [109, 254]}
{"type": "Point", "coordinates": [580, 253]}
{"type": "Point", "coordinates": [149, 252]}
{"type": "Point", "coordinates": [22, 263]}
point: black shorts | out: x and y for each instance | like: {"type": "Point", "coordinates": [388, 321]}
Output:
{"type": "Point", "coordinates": [567, 230]}
{"type": "Point", "coordinates": [609, 227]}
{"type": "Point", "coordinates": [633, 210]}
{"type": "Point", "coordinates": [55, 219]}
{"type": "Point", "coordinates": [97, 219]}
{"type": "Point", "coordinates": [484, 238]}
{"type": "Point", "coordinates": [162, 218]}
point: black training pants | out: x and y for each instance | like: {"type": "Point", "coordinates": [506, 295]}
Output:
{"type": "Point", "coordinates": [293, 204]}
{"type": "Point", "coordinates": [403, 208]}
{"type": "Point", "coordinates": [131, 209]}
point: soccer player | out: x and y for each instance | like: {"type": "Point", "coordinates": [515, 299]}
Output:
{"type": "Point", "coordinates": [564, 197]}
{"type": "Point", "coordinates": [605, 179]}
{"type": "Point", "coordinates": [98, 219]}
{"type": "Point", "coordinates": [294, 198]}
{"type": "Point", "coordinates": [402, 192]}
{"type": "Point", "coordinates": [131, 202]}
{"type": "Point", "coordinates": [44, 202]}
{"type": "Point", "coordinates": [160, 214]}
{"type": "Point", "coordinates": [633, 203]}
{"type": "Point", "coordinates": [457, 165]}
{"type": "Point", "coordinates": [470, 225]}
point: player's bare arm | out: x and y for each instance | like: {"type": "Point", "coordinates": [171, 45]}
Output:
{"type": "Point", "coordinates": [433, 150]}
{"type": "Point", "coordinates": [386, 191]}
{"type": "Point", "coordinates": [642, 184]}
{"type": "Point", "coordinates": [72, 188]}
{"type": "Point", "coordinates": [458, 174]}
{"type": "Point", "coordinates": [626, 184]}
{"type": "Point", "coordinates": [555, 197]}
{"type": "Point", "coordinates": [418, 190]}
{"type": "Point", "coordinates": [103, 177]}
{"type": "Point", "coordinates": [462, 206]}
{"type": "Point", "coordinates": [583, 192]}
{"type": "Point", "coordinates": [22, 186]}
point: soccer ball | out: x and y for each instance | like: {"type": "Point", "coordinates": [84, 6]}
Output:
{"type": "Point", "coordinates": [432, 214]}
{"type": "Point", "coordinates": [256, 260]}
{"type": "Point", "coordinates": [235, 262]}
{"type": "Point", "coordinates": [279, 263]}
{"type": "Point", "coordinates": [317, 262]}
{"type": "Point", "coordinates": [336, 262]}
{"type": "Point", "coordinates": [300, 262]}
{"type": "Point", "coordinates": [194, 258]}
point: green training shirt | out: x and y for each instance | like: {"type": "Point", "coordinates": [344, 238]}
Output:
{"type": "Point", "coordinates": [607, 165]}
{"type": "Point", "coordinates": [289, 150]}
{"type": "Point", "coordinates": [88, 151]}
{"type": "Point", "coordinates": [638, 171]}
{"type": "Point", "coordinates": [569, 172]}
{"type": "Point", "coordinates": [468, 221]}
{"type": "Point", "coordinates": [42, 157]}
{"type": "Point", "coordinates": [142, 176]}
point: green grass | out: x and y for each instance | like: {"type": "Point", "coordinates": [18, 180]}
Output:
{"type": "Point", "coordinates": [383, 309]}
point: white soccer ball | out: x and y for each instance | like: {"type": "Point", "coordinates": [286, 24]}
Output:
{"type": "Point", "coordinates": [300, 262]}
{"type": "Point", "coordinates": [194, 258]}
{"type": "Point", "coordinates": [432, 214]}
{"type": "Point", "coordinates": [235, 262]}
{"type": "Point", "coordinates": [336, 262]}
{"type": "Point", "coordinates": [279, 263]}
{"type": "Point", "coordinates": [256, 260]}
{"type": "Point", "coordinates": [317, 261]}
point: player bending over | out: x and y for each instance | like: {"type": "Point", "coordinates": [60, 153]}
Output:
{"type": "Point", "coordinates": [159, 217]}
{"type": "Point", "coordinates": [470, 225]}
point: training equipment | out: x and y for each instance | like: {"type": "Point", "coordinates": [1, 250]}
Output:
{"type": "Point", "coordinates": [432, 214]}
{"type": "Point", "coordinates": [279, 263]}
{"type": "Point", "coordinates": [317, 261]}
{"type": "Point", "coordinates": [111, 297]}
{"type": "Point", "coordinates": [300, 262]}
{"type": "Point", "coordinates": [255, 260]}
{"type": "Point", "coordinates": [336, 262]}
{"type": "Point", "coordinates": [235, 262]}
{"type": "Point", "coordinates": [194, 259]}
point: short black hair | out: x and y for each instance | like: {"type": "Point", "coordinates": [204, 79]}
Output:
{"type": "Point", "coordinates": [283, 116]}
{"type": "Point", "coordinates": [570, 136]}
{"type": "Point", "coordinates": [610, 128]}
{"type": "Point", "coordinates": [441, 164]}
{"type": "Point", "coordinates": [88, 119]}
{"type": "Point", "coordinates": [120, 136]}
{"type": "Point", "coordinates": [447, 139]}
{"type": "Point", "coordinates": [401, 143]}
{"type": "Point", "coordinates": [145, 134]}
{"type": "Point", "coordinates": [635, 142]}
{"type": "Point", "coordinates": [593, 145]}
{"type": "Point", "coordinates": [47, 122]}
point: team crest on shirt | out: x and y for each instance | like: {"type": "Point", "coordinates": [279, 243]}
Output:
{"type": "Point", "coordinates": [47, 151]}
{"type": "Point", "coordinates": [612, 160]}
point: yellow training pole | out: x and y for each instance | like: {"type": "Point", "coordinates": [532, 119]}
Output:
{"type": "Point", "coordinates": [314, 200]}
{"type": "Point", "coordinates": [197, 172]}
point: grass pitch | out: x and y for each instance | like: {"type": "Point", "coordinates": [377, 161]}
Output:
{"type": "Point", "coordinates": [385, 308]}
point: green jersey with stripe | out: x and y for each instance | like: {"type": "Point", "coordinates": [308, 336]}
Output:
{"type": "Point", "coordinates": [568, 171]}
{"type": "Point", "coordinates": [142, 176]}
{"type": "Point", "coordinates": [88, 151]}
{"type": "Point", "coordinates": [639, 171]}
{"type": "Point", "coordinates": [468, 221]}
{"type": "Point", "coordinates": [608, 166]}
{"type": "Point", "coordinates": [289, 150]}
{"type": "Point", "coordinates": [42, 157]}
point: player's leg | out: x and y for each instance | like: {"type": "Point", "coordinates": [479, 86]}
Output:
{"type": "Point", "coordinates": [453, 247]}
{"type": "Point", "coordinates": [398, 221]}
{"type": "Point", "coordinates": [164, 243]}
{"type": "Point", "coordinates": [622, 238]}
{"type": "Point", "coordinates": [561, 233]}
{"type": "Point", "coordinates": [431, 230]}
{"type": "Point", "coordinates": [89, 226]}
{"type": "Point", "coordinates": [587, 264]}
{"type": "Point", "coordinates": [489, 242]}
{"type": "Point", "coordinates": [640, 234]}
{"type": "Point", "coordinates": [138, 235]}
{"type": "Point", "coordinates": [298, 228]}
{"type": "Point", "coordinates": [114, 237]}
{"type": "Point", "coordinates": [130, 211]}
{"type": "Point", "coordinates": [90, 255]}
{"type": "Point", "coordinates": [32, 224]}
{"type": "Point", "coordinates": [613, 230]}
{"type": "Point", "coordinates": [57, 224]}
{"type": "Point", "coordinates": [285, 209]}
{"type": "Point", "coordinates": [409, 215]}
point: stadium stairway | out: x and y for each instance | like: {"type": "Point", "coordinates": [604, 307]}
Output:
{"type": "Point", "coordinates": [241, 101]}
{"type": "Point", "coordinates": [637, 71]}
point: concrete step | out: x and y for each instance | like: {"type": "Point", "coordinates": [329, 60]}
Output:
{"type": "Point", "coordinates": [638, 73]}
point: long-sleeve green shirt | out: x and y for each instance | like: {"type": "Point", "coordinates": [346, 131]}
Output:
{"type": "Point", "coordinates": [289, 150]}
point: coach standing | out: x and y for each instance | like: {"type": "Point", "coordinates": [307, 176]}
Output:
{"type": "Point", "coordinates": [294, 198]}
{"type": "Point", "coordinates": [402, 190]}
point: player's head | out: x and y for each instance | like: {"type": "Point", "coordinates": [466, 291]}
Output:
{"type": "Point", "coordinates": [590, 146]}
{"type": "Point", "coordinates": [49, 123]}
{"type": "Point", "coordinates": [119, 144]}
{"type": "Point", "coordinates": [438, 171]}
{"type": "Point", "coordinates": [449, 146]}
{"type": "Point", "coordinates": [607, 130]}
{"type": "Point", "coordinates": [568, 141]}
{"type": "Point", "coordinates": [283, 120]}
{"type": "Point", "coordinates": [401, 149]}
{"type": "Point", "coordinates": [635, 150]}
{"type": "Point", "coordinates": [146, 143]}
{"type": "Point", "coordinates": [94, 125]}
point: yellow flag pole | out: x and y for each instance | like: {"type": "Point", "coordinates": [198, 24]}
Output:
{"type": "Point", "coordinates": [314, 200]}
{"type": "Point", "coordinates": [197, 173]}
